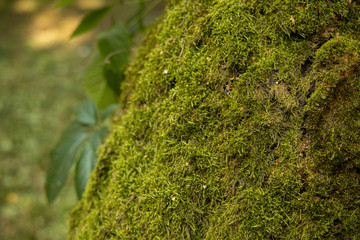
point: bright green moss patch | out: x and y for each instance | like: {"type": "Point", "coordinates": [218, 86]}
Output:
{"type": "Point", "coordinates": [242, 122]}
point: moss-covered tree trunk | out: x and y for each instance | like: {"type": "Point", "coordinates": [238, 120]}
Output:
{"type": "Point", "coordinates": [242, 122]}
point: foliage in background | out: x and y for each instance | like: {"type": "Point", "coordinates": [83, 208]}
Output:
{"type": "Point", "coordinates": [78, 145]}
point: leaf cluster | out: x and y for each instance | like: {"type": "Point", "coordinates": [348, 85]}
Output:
{"type": "Point", "coordinates": [102, 79]}
{"type": "Point", "coordinates": [78, 146]}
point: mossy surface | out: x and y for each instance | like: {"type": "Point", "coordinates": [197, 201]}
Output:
{"type": "Point", "coordinates": [242, 122]}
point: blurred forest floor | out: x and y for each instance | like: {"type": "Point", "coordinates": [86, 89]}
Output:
{"type": "Point", "coordinates": [40, 85]}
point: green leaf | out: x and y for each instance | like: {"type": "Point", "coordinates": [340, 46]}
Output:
{"type": "Point", "coordinates": [84, 167]}
{"type": "Point", "coordinates": [97, 86]}
{"type": "Point", "coordinates": [63, 158]}
{"type": "Point", "coordinates": [108, 111]}
{"type": "Point", "coordinates": [103, 78]}
{"type": "Point", "coordinates": [87, 161]}
{"type": "Point", "coordinates": [114, 44]}
{"type": "Point", "coordinates": [91, 20]}
{"type": "Point", "coordinates": [63, 3]}
{"type": "Point", "coordinates": [113, 78]}
{"type": "Point", "coordinates": [87, 112]}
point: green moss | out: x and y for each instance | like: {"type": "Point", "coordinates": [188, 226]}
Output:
{"type": "Point", "coordinates": [242, 122]}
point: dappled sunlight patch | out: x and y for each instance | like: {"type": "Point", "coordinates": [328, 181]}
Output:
{"type": "Point", "coordinates": [50, 28]}
{"type": "Point", "coordinates": [12, 198]}
{"type": "Point", "coordinates": [26, 6]}
{"type": "Point", "coordinates": [89, 4]}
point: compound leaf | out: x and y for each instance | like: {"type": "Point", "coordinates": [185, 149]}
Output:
{"type": "Point", "coordinates": [108, 111]}
{"type": "Point", "coordinates": [114, 44]}
{"type": "Point", "coordinates": [87, 161]}
{"type": "Point", "coordinates": [87, 113]}
{"type": "Point", "coordinates": [63, 158]}
{"type": "Point", "coordinates": [97, 86]}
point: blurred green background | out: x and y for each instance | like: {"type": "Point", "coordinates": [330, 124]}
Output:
{"type": "Point", "coordinates": [40, 85]}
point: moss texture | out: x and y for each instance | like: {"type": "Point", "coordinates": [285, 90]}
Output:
{"type": "Point", "coordinates": [242, 122]}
